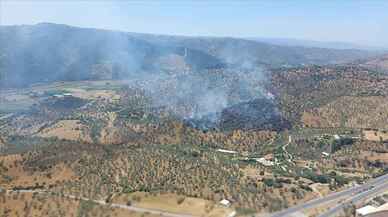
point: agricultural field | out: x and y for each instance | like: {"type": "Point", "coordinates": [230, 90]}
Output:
{"type": "Point", "coordinates": [14, 100]}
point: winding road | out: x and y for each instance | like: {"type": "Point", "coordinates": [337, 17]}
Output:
{"type": "Point", "coordinates": [285, 149]}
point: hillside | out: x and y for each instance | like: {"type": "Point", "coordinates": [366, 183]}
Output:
{"type": "Point", "coordinates": [248, 53]}
{"type": "Point", "coordinates": [334, 96]}
{"type": "Point", "coordinates": [318, 44]}
{"type": "Point", "coordinates": [379, 63]}
{"type": "Point", "coordinates": [51, 52]}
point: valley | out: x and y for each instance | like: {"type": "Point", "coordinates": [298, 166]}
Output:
{"type": "Point", "coordinates": [153, 125]}
{"type": "Point", "coordinates": [100, 139]}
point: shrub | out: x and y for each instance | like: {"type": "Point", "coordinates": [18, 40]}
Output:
{"type": "Point", "coordinates": [180, 199]}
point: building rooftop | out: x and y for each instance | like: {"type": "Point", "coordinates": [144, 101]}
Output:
{"type": "Point", "coordinates": [226, 151]}
{"type": "Point", "coordinates": [383, 207]}
{"type": "Point", "coordinates": [363, 211]}
{"type": "Point", "coordinates": [225, 202]}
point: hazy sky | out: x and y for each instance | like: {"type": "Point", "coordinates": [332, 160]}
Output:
{"type": "Point", "coordinates": [360, 21]}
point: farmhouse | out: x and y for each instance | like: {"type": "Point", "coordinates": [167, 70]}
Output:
{"type": "Point", "coordinates": [264, 161]}
{"type": "Point", "coordinates": [225, 203]}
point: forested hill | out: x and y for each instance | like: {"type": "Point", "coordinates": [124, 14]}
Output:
{"type": "Point", "coordinates": [52, 52]}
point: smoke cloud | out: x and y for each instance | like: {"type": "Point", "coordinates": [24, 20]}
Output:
{"type": "Point", "coordinates": [190, 82]}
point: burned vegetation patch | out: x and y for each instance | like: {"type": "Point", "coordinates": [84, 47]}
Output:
{"type": "Point", "coordinates": [259, 114]}
{"type": "Point", "coordinates": [63, 103]}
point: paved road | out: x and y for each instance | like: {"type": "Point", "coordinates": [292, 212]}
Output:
{"type": "Point", "coordinates": [355, 193]}
{"type": "Point", "coordinates": [357, 198]}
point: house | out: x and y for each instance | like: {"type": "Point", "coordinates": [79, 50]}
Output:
{"type": "Point", "coordinates": [264, 161]}
{"type": "Point", "coordinates": [225, 202]}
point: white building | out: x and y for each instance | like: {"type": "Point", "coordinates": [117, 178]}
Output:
{"type": "Point", "coordinates": [264, 161]}
{"type": "Point", "coordinates": [225, 202]}
{"type": "Point", "coordinates": [363, 211]}
{"type": "Point", "coordinates": [226, 151]}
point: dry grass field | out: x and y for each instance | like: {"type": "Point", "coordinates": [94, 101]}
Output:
{"type": "Point", "coordinates": [16, 175]}
{"type": "Point", "coordinates": [67, 129]}
{"type": "Point", "coordinates": [174, 203]}
{"type": "Point", "coordinates": [375, 135]}
{"type": "Point", "coordinates": [94, 94]}
{"type": "Point", "coordinates": [38, 205]}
